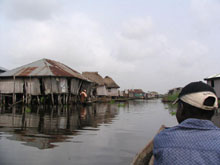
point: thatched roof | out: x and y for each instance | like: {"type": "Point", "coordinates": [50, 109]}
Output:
{"type": "Point", "coordinates": [42, 68]}
{"type": "Point", "coordinates": [95, 77]}
{"type": "Point", "coordinates": [110, 83]}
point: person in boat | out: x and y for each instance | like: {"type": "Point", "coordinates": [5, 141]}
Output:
{"type": "Point", "coordinates": [83, 96]}
{"type": "Point", "coordinates": [196, 140]}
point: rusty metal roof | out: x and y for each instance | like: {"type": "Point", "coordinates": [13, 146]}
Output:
{"type": "Point", "coordinates": [42, 68]}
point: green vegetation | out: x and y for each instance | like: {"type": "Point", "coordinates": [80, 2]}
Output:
{"type": "Point", "coordinates": [112, 101]}
{"type": "Point", "coordinates": [42, 99]}
{"type": "Point", "coordinates": [170, 98]}
{"type": "Point", "coordinates": [27, 109]}
{"type": "Point", "coordinates": [171, 108]}
{"type": "Point", "coordinates": [173, 113]}
{"type": "Point", "coordinates": [121, 105]}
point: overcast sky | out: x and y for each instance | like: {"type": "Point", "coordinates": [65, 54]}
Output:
{"type": "Point", "coordinates": [155, 45]}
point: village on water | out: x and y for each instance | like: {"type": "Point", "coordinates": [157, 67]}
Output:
{"type": "Point", "coordinates": [50, 82]}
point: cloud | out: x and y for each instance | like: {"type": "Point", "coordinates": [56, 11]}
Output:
{"type": "Point", "coordinates": [74, 38]}
{"type": "Point", "coordinates": [137, 28]}
{"type": "Point", "coordinates": [137, 55]}
{"type": "Point", "coordinates": [205, 11]}
{"type": "Point", "coordinates": [138, 40]}
{"type": "Point", "coordinates": [29, 9]}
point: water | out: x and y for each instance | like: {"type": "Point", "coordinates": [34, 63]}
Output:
{"type": "Point", "coordinates": [96, 134]}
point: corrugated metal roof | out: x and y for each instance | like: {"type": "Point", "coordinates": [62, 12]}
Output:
{"type": "Point", "coordinates": [3, 69]}
{"type": "Point", "coordinates": [216, 76]}
{"type": "Point", "coordinates": [44, 67]}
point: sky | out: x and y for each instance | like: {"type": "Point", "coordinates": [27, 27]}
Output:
{"type": "Point", "coordinates": [155, 45]}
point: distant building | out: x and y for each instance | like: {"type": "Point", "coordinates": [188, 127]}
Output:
{"type": "Point", "coordinates": [151, 95]}
{"type": "Point", "coordinates": [214, 81]}
{"type": "Point", "coordinates": [134, 93]}
{"type": "Point", "coordinates": [131, 93]}
{"type": "Point", "coordinates": [139, 93]}
{"type": "Point", "coordinates": [99, 87]}
{"type": "Point", "coordinates": [121, 93]}
{"type": "Point", "coordinates": [112, 87]}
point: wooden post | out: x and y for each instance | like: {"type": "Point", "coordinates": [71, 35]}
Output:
{"type": "Point", "coordinates": [26, 93]}
{"type": "Point", "coordinates": [29, 100]}
{"type": "Point", "coordinates": [30, 92]}
{"type": "Point", "coordinates": [52, 99]}
{"type": "Point", "coordinates": [1, 99]}
{"type": "Point", "coordinates": [66, 99]}
{"type": "Point", "coordinates": [59, 99]}
{"type": "Point", "coordinates": [38, 100]}
{"type": "Point", "coordinates": [4, 100]}
{"type": "Point", "coordinates": [14, 91]}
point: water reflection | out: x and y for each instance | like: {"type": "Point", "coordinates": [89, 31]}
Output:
{"type": "Point", "coordinates": [43, 126]}
{"type": "Point", "coordinates": [97, 134]}
{"type": "Point", "coordinates": [171, 108]}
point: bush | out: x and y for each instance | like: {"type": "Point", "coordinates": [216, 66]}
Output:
{"type": "Point", "coordinates": [170, 97]}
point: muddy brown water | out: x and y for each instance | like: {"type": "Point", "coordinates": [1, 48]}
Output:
{"type": "Point", "coordinates": [96, 134]}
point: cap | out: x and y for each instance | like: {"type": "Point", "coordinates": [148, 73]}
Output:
{"type": "Point", "coordinates": [198, 94]}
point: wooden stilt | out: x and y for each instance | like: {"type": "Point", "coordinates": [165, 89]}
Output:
{"type": "Point", "coordinates": [52, 99]}
{"type": "Point", "coordinates": [59, 100]}
{"type": "Point", "coordinates": [29, 99]}
{"type": "Point", "coordinates": [23, 100]}
{"type": "Point", "coordinates": [38, 100]}
{"type": "Point", "coordinates": [14, 92]}
{"type": "Point", "coordinates": [66, 99]}
{"type": "Point", "coordinates": [1, 100]}
{"type": "Point", "coordinates": [4, 100]}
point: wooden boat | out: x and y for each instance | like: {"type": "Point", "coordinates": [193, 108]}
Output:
{"type": "Point", "coordinates": [145, 157]}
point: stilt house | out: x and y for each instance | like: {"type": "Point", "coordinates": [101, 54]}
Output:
{"type": "Point", "coordinates": [214, 81]}
{"type": "Point", "coordinates": [43, 78]}
{"type": "Point", "coordinates": [112, 87]}
{"type": "Point", "coordinates": [99, 88]}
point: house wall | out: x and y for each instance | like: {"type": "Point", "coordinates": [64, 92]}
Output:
{"type": "Point", "coordinates": [55, 85]}
{"type": "Point", "coordinates": [131, 95]}
{"type": "Point", "coordinates": [32, 86]}
{"type": "Point", "coordinates": [121, 93]}
{"type": "Point", "coordinates": [216, 86]}
{"type": "Point", "coordinates": [112, 92]}
{"type": "Point", "coordinates": [7, 85]}
{"type": "Point", "coordinates": [101, 91]}
{"type": "Point", "coordinates": [51, 85]}
{"type": "Point", "coordinates": [139, 95]}
{"type": "Point", "coordinates": [75, 86]}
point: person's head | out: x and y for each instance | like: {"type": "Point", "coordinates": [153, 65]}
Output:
{"type": "Point", "coordinates": [196, 100]}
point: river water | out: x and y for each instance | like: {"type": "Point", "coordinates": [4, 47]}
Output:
{"type": "Point", "coordinates": [93, 135]}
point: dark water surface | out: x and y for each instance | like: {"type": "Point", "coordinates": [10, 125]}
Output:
{"type": "Point", "coordinates": [95, 135]}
